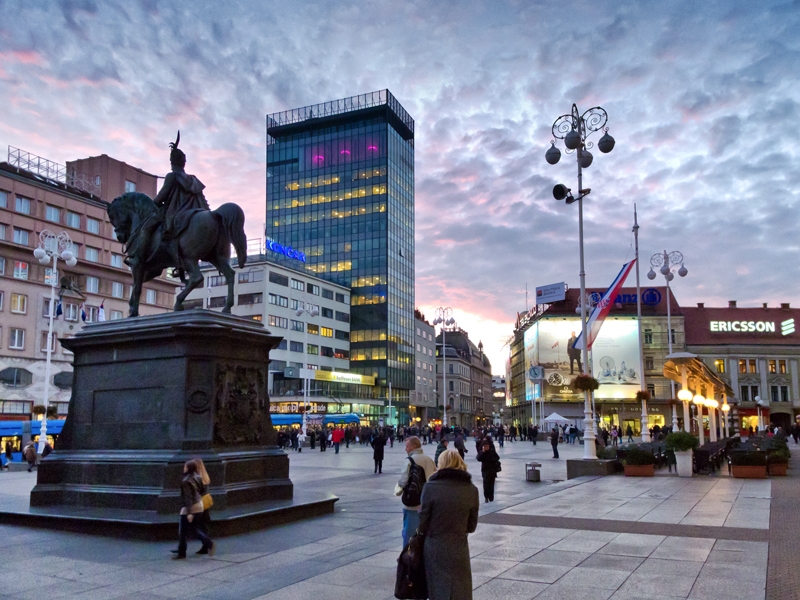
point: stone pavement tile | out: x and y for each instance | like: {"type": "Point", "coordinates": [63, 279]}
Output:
{"type": "Point", "coordinates": [659, 515]}
{"type": "Point", "coordinates": [512, 553]}
{"type": "Point", "coordinates": [741, 546]}
{"type": "Point", "coordinates": [646, 585]}
{"type": "Point", "coordinates": [741, 573]}
{"type": "Point", "coordinates": [540, 537]}
{"type": "Point", "coordinates": [584, 541]}
{"type": "Point", "coordinates": [703, 520]}
{"type": "Point", "coordinates": [660, 566]}
{"type": "Point", "coordinates": [538, 573]}
{"type": "Point", "coordinates": [193, 565]}
{"type": "Point", "coordinates": [755, 518]}
{"type": "Point", "coordinates": [628, 595]}
{"type": "Point", "coordinates": [379, 583]}
{"type": "Point", "coordinates": [386, 559]}
{"type": "Point", "coordinates": [685, 549]}
{"type": "Point", "coordinates": [478, 546]}
{"type": "Point", "coordinates": [306, 591]}
{"type": "Point", "coordinates": [508, 589]}
{"type": "Point", "coordinates": [238, 557]}
{"type": "Point", "coordinates": [630, 544]}
{"type": "Point", "coordinates": [613, 562]}
{"type": "Point", "coordinates": [45, 587]}
{"type": "Point", "coordinates": [601, 578]}
{"type": "Point", "coordinates": [351, 574]}
{"type": "Point", "coordinates": [561, 591]}
{"type": "Point", "coordinates": [732, 557]}
{"type": "Point", "coordinates": [132, 580]}
{"type": "Point", "coordinates": [558, 557]}
{"type": "Point", "coordinates": [713, 588]}
{"type": "Point", "coordinates": [185, 588]}
{"type": "Point", "coordinates": [490, 568]}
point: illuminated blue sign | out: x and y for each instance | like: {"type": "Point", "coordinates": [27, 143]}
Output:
{"type": "Point", "coordinates": [650, 297]}
{"type": "Point", "coordinates": [287, 251]}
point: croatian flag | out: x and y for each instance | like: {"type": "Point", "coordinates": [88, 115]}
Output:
{"type": "Point", "coordinates": [603, 307]}
{"type": "Point", "coordinates": [101, 314]}
{"type": "Point", "coordinates": [59, 309]}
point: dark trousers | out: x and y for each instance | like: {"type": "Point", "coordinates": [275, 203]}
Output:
{"type": "Point", "coordinates": [336, 445]}
{"type": "Point", "coordinates": [555, 450]}
{"type": "Point", "coordinates": [194, 528]}
{"type": "Point", "coordinates": [379, 466]}
{"type": "Point", "coordinates": [573, 360]}
{"type": "Point", "coordinates": [488, 486]}
{"type": "Point", "coordinates": [313, 443]}
{"type": "Point", "coordinates": [322, 444]}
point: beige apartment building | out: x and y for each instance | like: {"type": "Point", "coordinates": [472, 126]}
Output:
{"type": "Point", "coordinates": [33, 199]}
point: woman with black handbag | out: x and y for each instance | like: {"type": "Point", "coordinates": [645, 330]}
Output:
{"type": "Point", "coordinates": [448, 513]}
{"type": "Point", "coordinates": [490, 467]}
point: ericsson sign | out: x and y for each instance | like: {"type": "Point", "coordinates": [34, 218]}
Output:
{"type": "Point", "coordinates": [787, 327]}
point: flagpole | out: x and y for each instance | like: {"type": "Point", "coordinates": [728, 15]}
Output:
{"type": "Point", "coordinates": [645, 428]}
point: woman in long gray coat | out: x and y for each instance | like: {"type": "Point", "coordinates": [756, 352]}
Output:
{"type": "Point", "coordinates": [448, 513]}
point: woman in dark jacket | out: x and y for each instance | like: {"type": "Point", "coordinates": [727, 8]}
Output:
{"type": "Point", "coordinates": [378, 444]}
{"type": "Point", "coordinates": [448, 513]}
{"type": "Point", "coordinates": [192, 511]}
{"type": "Point", "coordinates": [490, 465]}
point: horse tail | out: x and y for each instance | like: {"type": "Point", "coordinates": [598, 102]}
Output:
{"type": "Point", "coordinates": [233, 224]}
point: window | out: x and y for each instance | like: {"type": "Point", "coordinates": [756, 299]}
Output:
{"type": "Point", "coordinates": [19, 304]}
{"type": "Point", "coordinates": [649, 363]}
{"type": "Point", "coordinates": [150, 296]}
{"type": "Point", "coordinates": [215, 281]}
{"type": "Point", "coordinates": [327, 313]}
{"type": "Point", "coordinates": [281, 322]}
{"type": "Point", "coordinates": [251, 276]}
{"type": "Point", "coordinates": [327, 294]}
{"type": "Point", "coordinates": [91, 254]}
{"type": "Point", "coordinates": [297, 325]}
{"type": "Point", "coordinates": [313, 329]}
{"type": "Point", "coordinates": [15, 378]}
{"type": "Point", "coordinates": [719, 365]}
{"type": "Point", "coordinates": [2, 297]}
{"type": "Point", "coordinates": [312, 289]}
{"type": "Point", "coordinates": [52, 342]}
{"type": "Point", "coordinates": [70, 312]}
{"type": "Point", "coordinates": [779, 393]}
{"type": "Point", "coordinates": [672, 335]}
{"type": "Point", "coordinates": [339, 353]}
{"type": "Point", "coordinates": [116, 261]}
{"type": "Point", "coordinates": [117, 289]}
{"type": "Point", "coordinates": [129, 187]}
{"type": "Point", "coordinates": [651, 387]}
{"type": "Point", "coordinates": [326, 332]}
{"type": "Point", "coordinates": [92, 314]}
{"type": "Point", "coordinates": [343, 317]}
{"type": "Point", "coordinates": [2, 231]}
{"type": "Point", "coordinates": [278, 300]}
{"type": "Point", "coordinates": [63, 380]}
{"type": "Point", "coordinates": [343, 299]}
{"type": "Point", "coordinates": [773, 365]}
{"type": "Point", "coordinates": [295, 304]}
{"type": "Point", "coordinates": [342, 335]}
{"type": "Point", "coordinates": [245, 299]}
{"type": "Point", "coordinates": [46, 308]}
{"type": "Point", "coordinates": [21, 236]}
{"type": "Point", "coordinates": [216, 302]}
{"type": "Point", "coordinates": [418, 364]}
{"type": "Point", "coordinates": [312, 349]}
{"type": "Point", "coordinates": [325, 351]}
{"type": "Point", "coordinates": [17, 339]}
{"type": "Point", "coordinates": [2, 266]}
{"type": "Point", "coordinates": [298, 285]}
{"type": "Point", "coordinates": [52, 214]}
{"type": "Point", "coordinates": [116, 315]}
{"type": "Point", "coordinates": [20, 270]}
{"type": "Point", "coordinates": [92, 225]}
{"type": "Point", "coordinates": [3, 199]}
{"type": "Point", "coordinates": [782, 367]}
{"type": "Point", "coordinates": [749, 393]}
{"type": "Point", "coordinates": [23, 205]}
{"type": "Point", "coordinates": [193, 304]}
{"type": "Point", "coordinates": [452, 388]}
{"type": "Point", "coordinates": [278, 278]}
{"type": "Point", "coordinates": [92, 284]}
{"type": "Point", "coordinates": [49, 278]}
{"type": "Point", "coordinates": [73, 220]}
{"type": "Point", "coordinates": [648, 336]}
{"type": "Point", "coordinates": [753, 365]}
{"type": "Point", "coordinates": [97, 180]}
{"type": "Point", "coordinates": [296, 346]}
{"type": "Point", "coordinates": [742, 365]}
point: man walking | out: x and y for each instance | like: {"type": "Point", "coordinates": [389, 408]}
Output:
{"type": "Point", "coordinates": [417, 457]}
{"type": "Point", "coordinates": [338, 436]}
{"type": "Point", "coordinates": [30, 455]}
{"type": "Point", "coordinates": [554, 441]}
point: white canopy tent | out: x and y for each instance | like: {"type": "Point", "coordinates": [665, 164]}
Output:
{"type": "Point", "coordinates": [556, 419]}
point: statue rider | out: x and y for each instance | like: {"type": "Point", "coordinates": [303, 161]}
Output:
{"type": "Point", "coordinates": [180, 197]}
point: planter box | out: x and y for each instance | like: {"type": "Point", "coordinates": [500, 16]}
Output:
{"type": "Point", "coordinates": [684, 463]}
{"type": "Point", "coordinates": [749, 472]}
{"type": "Point", "coordinates": [578, 467]}
{"type": "Point", "coordinates": [778, 470]}
{"type": "Point", "coordinates": [639, 470]}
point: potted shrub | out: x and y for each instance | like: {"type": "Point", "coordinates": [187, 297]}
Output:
{"type": "Point", "coordinates": [585, 383]}
{"type": "Point", "coordinates": [639, 463]}
{"type": "Point", "coordinates": [749, 464]}
{"type": "Point", "coordinates": [683, 443]}
{"type": "Point", "coordinates": [39, 409]}
{"type": "Point", "coordinates": [779, 462]}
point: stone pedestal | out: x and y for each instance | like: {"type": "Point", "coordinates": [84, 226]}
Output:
{"type": "Point", "coordinates": [152, 392]}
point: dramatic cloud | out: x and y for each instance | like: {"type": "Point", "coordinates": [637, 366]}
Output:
{"type": "Point", "coordinates": [702, 99]}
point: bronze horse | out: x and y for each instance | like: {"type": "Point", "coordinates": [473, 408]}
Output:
{"type": "Point", "coordinates": [208, 237]}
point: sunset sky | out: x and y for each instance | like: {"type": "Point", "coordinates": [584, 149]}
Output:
{"type": "Point", "coordinates": [702, 99]}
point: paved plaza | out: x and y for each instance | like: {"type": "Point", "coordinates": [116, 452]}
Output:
{"type": "Point", "coordinates": [621, 538]}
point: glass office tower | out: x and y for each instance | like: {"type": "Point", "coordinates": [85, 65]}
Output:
{"type": "Point", "coordinates": [340, 189]}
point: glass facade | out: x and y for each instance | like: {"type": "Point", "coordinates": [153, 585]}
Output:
{"type": "Point", "coordinates": [340, 189]}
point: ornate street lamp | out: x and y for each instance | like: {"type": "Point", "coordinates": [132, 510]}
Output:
{"type": "Point", "coordinates": [699, 402]}
{"type": "Point", "coordinates": [574, 128]}
{"type": "Point", "coordinates": [685, 396]}
{"type": "Point", "coordinates": [444, 317]}
{"type": "Point", "coordinates": [51, 247]}
{"type": "Point", "coordinates": [313, 311]}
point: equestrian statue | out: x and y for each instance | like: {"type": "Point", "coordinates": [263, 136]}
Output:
{"type": "Point", "coordinates": [177, 230]}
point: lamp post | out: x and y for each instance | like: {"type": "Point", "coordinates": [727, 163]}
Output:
{"type": "Point", "coordinates": [313, 311]}
{"type": "Point", "coordinates": [725, 408]}
{"type": "Point", "coordinates": [444, 317]}
{"type": "Point", "coordinates": [699, 401]}
{"type": "Point", "coordinates": [51, 246]}
{"type": "Point", "coordinates": [574, 128]}
{"type": "Point", "coordinates": [758, 407]}
{"type": "Point", "coordinates": [668, 263]}
{"type": "Point", "coordinates": [712, 406]}
{"type": "Point", "coordinates": [685, 396]}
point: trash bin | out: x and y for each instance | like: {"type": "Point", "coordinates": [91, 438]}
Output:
{"type": "Point", "coordinates": [532, 472]}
